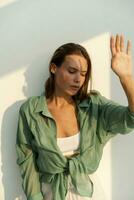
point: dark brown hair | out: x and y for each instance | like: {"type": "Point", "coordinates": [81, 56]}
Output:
{"type": "Point", "coordinates": [58, 58]}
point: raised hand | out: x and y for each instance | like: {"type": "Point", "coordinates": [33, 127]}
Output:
{"type": "Point", "coordinates": [121, 61]}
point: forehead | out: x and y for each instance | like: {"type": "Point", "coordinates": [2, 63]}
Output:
{"type": "Point", "coordinates": [76, 61]}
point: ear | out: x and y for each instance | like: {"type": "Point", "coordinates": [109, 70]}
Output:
{"type": "Point", "coordinates": [53, 68]}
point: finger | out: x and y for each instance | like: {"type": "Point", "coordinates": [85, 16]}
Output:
{"type": "Point", "coordinates": [122, 43]}
{"type": "Point", "coordinates": [128, 51]}
{"type": "Point", "coordinates": [112, 46]}
{"type": "Point", "coordinates": [117, 43]}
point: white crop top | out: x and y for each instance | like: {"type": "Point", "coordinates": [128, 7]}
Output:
{"type": "Point", "coordinates": [69, 145]}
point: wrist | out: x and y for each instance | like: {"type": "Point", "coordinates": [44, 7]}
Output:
{"type": "Point", "coordinates": [126, 78]}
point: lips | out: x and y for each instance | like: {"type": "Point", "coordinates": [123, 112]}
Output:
{"type": "Point", "coordinates": [75, 87]}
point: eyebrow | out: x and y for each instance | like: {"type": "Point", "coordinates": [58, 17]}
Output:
{"type": "Point", "coordinates": [76, 69]}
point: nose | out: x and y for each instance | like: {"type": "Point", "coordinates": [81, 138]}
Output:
{"type": "Point", "coordinates": [77, 78]}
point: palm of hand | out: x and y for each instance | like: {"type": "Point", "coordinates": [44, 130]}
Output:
{"type": "Point", "coordinates": [121, 61]}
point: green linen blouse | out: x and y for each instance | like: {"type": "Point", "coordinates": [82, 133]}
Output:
{"type": "Point", "coordinates": [39, 157]}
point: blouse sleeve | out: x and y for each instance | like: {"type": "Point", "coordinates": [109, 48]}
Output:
{"type": "Point", "coordinates": [26, 160]}
{"type": "Point", "coordinates": [115, 118]}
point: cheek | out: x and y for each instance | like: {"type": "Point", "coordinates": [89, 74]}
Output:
{"type": "Point", "coordinates": [67, 77]}
{"type": "Point", "coordinates": [82, 81]}
{"type": "Point", "coordinates": [64, 78]}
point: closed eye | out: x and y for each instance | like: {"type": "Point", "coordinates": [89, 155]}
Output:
{"type": "Point", "coordinates": [72, 72]}
{"type": "Point", "coordinates": [83, 74]}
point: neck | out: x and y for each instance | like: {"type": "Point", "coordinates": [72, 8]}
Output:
{"type": "Point", "coordinates": [59, 100]}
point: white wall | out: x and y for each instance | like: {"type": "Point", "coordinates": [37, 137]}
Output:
{"type": "Point", "coordinates": [30, 32]}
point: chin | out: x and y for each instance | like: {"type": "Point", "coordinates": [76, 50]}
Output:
{"type": "Point", "coordinates": [72, 93]}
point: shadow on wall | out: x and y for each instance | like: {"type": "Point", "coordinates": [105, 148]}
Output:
{"type": "Point", "coordinates": [122, 167]}
{"type": "Point", "coordinates": [35, 77]}
{"type": "Point", "coordinates": [10, 179]}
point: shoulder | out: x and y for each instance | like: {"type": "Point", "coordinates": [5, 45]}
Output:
{"type": "Point", "coordinates": [98, 98]}
{"type": "Point", "coordinates": [94, 95]}
{"type": "Point", "coordinates": [29, 104]}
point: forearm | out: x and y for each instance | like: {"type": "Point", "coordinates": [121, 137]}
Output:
{"type": "Point", "coordinates": [128, 86]}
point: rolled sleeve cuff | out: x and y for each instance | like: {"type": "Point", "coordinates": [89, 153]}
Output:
{"type": "Point", "coordinates": [38, 196]}
{"type": "Point", "coordinates": [130, 112]}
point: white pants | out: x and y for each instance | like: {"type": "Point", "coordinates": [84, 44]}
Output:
{"type": "Point", "coordinates": [71, 195]}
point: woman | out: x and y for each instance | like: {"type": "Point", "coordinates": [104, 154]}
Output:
{"type": "Point", "coordinates": [61, 134]}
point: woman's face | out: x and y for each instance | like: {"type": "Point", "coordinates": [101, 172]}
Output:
{"type": "Point", "coordinates": [70, 76]}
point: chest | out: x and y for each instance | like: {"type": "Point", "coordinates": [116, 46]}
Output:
{"type": "Point", "coordinates": [66, 121]}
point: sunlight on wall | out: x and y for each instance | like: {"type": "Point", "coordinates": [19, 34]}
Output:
{"type": "Point", "coordinates": [99, 51]}
{"type": "Point", "coordinates": [6, 2]}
